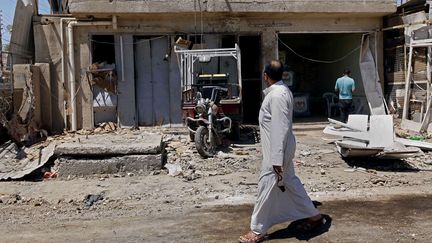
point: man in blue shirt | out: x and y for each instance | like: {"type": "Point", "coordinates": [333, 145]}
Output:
{"type": "Point", "coordinates": [345, 86]}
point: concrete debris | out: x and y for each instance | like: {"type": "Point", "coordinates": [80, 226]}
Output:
{"type": "Point", "coordinates": [378, 141]}
{"type": "Point", "coordinates": [106, 127]}
{"type": "Point", "coordinates": [181, 152]}
{"type": "Point", "coordinates": [174, 169]}
{"type": "Point", "coordinates": [223, 155]}
{"type": "Point", "coordinates": [305, 153]}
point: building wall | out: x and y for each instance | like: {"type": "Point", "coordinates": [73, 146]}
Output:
{"type": "Point", "coordinates": [188, 23]}
{"type": "Point", "coordinates": [270, 6]}
{"type": "Point", "coordinates": [48, 50]}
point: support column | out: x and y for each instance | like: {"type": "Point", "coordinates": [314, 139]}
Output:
{"type": "Point", "coordinates": [269, 47]}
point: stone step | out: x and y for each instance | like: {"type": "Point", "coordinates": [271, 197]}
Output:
{"type": "Point", "coordinates": [75, 166]}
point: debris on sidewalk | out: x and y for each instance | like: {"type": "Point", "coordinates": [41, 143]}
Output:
{"type": "Point", "coordinates": [364, 137]}
{"type": "Point", "coordinates": [91, 199]}
{"type": "Point", "coordinates": [174, 169]}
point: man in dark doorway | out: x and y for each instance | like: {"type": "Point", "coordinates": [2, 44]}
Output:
{"type": "Point", "coordinates": [345, 86]}
{"type": "Point", "coordinates": [281, 195]}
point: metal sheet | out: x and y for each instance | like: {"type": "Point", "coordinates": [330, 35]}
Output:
{"type": "Point", "coordinates": [144, 85]}
{"type": "Point", "coordinates": [13, 168]}
{"type": "Point", "coordinates": [160, 79]}
{"type": "Point", "coordinates": [175, 91]}
{"type": "Point", "coordinates": [126, 85]}
{"type": "Point", "coordinates": [370, 77]}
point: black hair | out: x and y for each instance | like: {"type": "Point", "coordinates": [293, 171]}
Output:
{"type": "Point", "coordinates": [274, 70]}
{"type": "Point", "coordinates": [347, 71]}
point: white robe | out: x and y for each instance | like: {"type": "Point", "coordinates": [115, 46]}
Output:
{"type": "Point", "coordinates": [278, 145]}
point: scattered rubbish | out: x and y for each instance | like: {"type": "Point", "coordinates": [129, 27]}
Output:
{"type": "Point", "coordinates": [91, 199]}
{"type": "Point", "coordinates": [49, 175]}
{"type": "Point", "coordinates": [223, 155]}
{"type": "Point", "coordinates": [417, 137]}
{"type": "Point", "coordinates": [174, 169]}
{"type": "Point", "coordinates": [305, 153]}
{"type": "Point", "coordinates": [374, 139]}
{"type": "Point", "coordinates": [419, 144]}
{"type": "Point", "coordinates": [428, 162]}
{"type": "Point", "coordinates": [106, 127]}
{"type": "Point", "coordinates": [354, 169]}
{"type": "Point", "coordinates": [104, 76]}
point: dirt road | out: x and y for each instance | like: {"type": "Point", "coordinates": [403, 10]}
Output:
{"type": "Point", "coordinates": [211, 200]}
{"type": "Point", "coordinates": [398, 219]}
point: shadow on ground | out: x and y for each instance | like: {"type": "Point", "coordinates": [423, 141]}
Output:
{"type": "Point", "coordinates": [292, 232]}
{"type": "Point", "coordinates": [381, 164]}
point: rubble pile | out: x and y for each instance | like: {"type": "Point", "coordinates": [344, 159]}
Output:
{"type": "Point", "coordinates": [184, 161]}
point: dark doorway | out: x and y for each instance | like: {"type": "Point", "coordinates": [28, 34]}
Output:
{"type": "Point", "coordinates": [103, 49]}
{"type": "Point", "coordinates": [250, 47]}
{"type": "Point", "coordinates": [315, 61]}
{"type": "Point", "coordinates": [104, 89]}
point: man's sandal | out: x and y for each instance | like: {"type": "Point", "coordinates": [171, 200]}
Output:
{"type": "Point", "coordinates": [251, 237]}
{"type": "Point", "coordinates": [310, 224]}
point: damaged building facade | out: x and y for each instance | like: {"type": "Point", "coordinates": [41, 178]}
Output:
{"type": "Point", "coordinates": [114, 60]}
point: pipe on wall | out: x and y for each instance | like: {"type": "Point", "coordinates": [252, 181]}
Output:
{"type": "Point", "coordinates": [63, 81]}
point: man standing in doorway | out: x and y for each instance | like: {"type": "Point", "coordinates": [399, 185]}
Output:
{"type": "Point", "coordinates": [345, 86]}
{"type": "Point", "coordinates": [281, 195]}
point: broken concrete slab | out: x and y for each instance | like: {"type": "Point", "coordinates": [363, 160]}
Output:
{"type": "Point", "coordinates": [111, 144]}
{"type": "Point", "coordinates": [73, 166]}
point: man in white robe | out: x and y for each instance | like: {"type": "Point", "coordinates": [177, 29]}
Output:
{"type": "Point", "coordinates": [281, 195]}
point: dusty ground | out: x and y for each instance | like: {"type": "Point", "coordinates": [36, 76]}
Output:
{"type": "Point", "coordinates": [210, 200]}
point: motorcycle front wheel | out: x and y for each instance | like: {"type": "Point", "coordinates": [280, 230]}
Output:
{"type": "Point", "coordinates": [205, 147]}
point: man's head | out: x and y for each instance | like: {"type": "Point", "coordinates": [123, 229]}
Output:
{"type": "Point", "coordinates": [347, 72]}
{"type": "Point", "coordinates": [273, 72]}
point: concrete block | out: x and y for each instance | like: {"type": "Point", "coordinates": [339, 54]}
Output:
{"type": "Point", "coordinates": [45, 99]}
{"type": "Point", "coordinates": [108, 165]}
{"type": "Point", "coordinates": [27, 79]}
{"type": "Point", "coordinates": [48, 50]}
{"type": "Point", "coordinates": [110, 145]}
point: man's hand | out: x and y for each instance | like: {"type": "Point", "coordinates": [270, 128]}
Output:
{"type": "Point", "coordinates": [278, 169]}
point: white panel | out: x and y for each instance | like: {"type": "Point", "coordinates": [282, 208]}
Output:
{"type": "Point", "coordinates": [359, 122]}
{"type": "Point", "coordinates": [381, 131]}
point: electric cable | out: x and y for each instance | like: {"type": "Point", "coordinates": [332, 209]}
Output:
{"type": "Point", "coordinates": [316, 60]}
